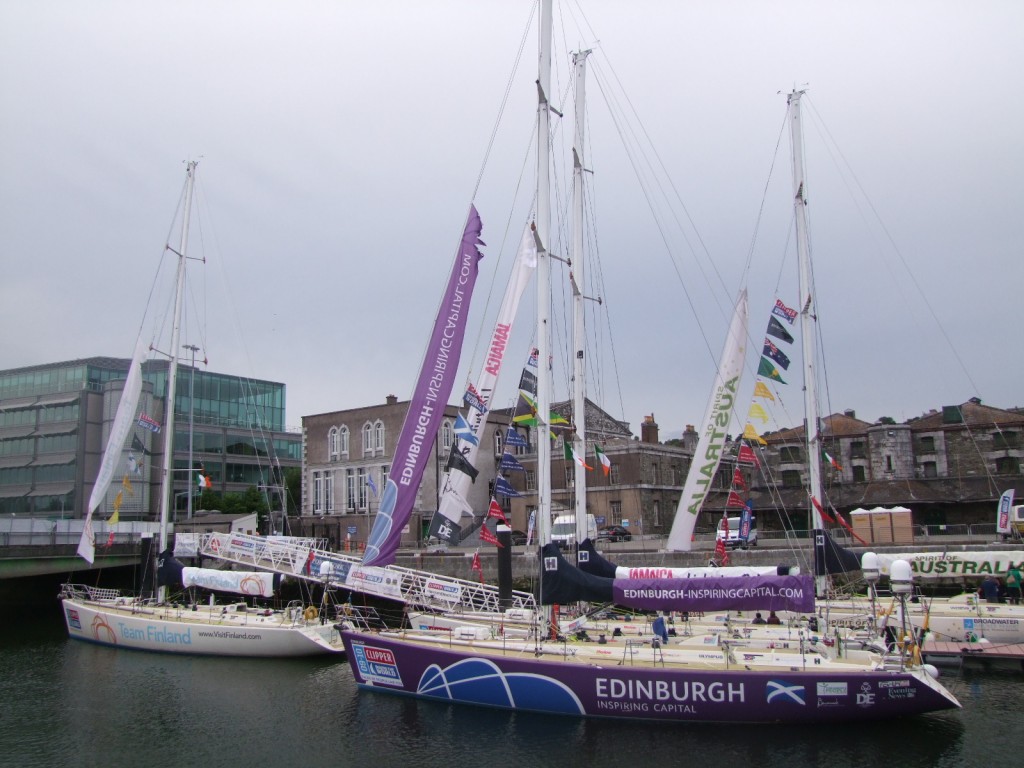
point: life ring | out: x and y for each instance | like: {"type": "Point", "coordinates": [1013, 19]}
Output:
{"type": "Point", "coordinates": [310, 613]}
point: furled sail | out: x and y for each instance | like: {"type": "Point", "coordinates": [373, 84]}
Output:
{"type": "Point", "coordinates": [430, 396]}
{"type": "Point", "coordinates": [714, 429]}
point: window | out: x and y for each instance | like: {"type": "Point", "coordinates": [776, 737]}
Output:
{"type": "Point", "coordinates": [531, 480]}
{"type": "Point", "coordinates": [446, 436]}
{"type": "Point", "coordinates": [332, 443]}
{"type": "Point", "coordinates": [857, 449]}
{"type": "Point", "coordinates": [613, 476]}
{"type": "Point", "coordinates": [378, 431]}
{"type": "Point", "coordinates": [361, 488]}
{"type": "Point", "coordinates": [1007, 465]}
{"type": "Point", "coordinates": [1002, 440]}
{"type": "Point", "coordinates": [927, 444]}
{"type": "Point", "coordinates": [367, 438]}
{"type": "Point", "coordinates": [343, 441]}
{"type": "Point", "coordinates": [329, 491]}
{"type": "Point", "coordinates": [318, 493]}
{"type": "Point", "coordinates": [616, 508]}
{"type": "Point", "coordinates": [654, 473]}
{"type": "Point", "coordinates": [790, 455]}
{"type": "Point", "coordinates": [888, 463]}
{"type": "Point", "coordinates": [858, 474]}
{"type": "Point", "coordinates": [929, 469]}
{"type": "Point", "coordinates": [791, 478]}
{"type": "Point", "coordinates": [570, 476]}
{"type": "Point", "coordinates": [350, 490]}
{"type": "Point", "coordinates": [656, 513]}
{"type": "Point", "coordinates": [497, 443]}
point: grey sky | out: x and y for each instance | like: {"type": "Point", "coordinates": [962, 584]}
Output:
{"type": "Point", "coordinates": [341, 143]}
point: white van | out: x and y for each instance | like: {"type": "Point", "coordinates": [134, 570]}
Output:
{"type": "Point", "coordinates": [734, 539]}
{"type": "Point", "coordinates": [563, 530]}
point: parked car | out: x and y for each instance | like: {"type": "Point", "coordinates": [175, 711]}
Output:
{"type": "Point", "coordinates": [518, 537]}
{"type": "Point", "coordinates": [614, 533]}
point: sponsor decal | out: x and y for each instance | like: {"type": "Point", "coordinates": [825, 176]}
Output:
{"type": "Point", "coordinates": [780, 691]}
{"type": "Point", "coordinates": [894, 684]}
{"type": "Point", "coordinates": [832, 689]}
{"type": "Point", "coordinates": [73, 619]}
{"type": "Point", "coordinates": [902, 693]}
{"type": "Point", "coordinates": [664, 695]}
{"type": "Point", "coordinates": [376, 665]}
{"type": "Point", "coordinates": [865, 697]}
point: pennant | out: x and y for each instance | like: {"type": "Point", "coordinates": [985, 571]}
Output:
{"type": "Point", "coordinates": [138, 446]}
{"type": "Point", "coordinates": [747, 456]}
{"type": "Point", "coordinates": [457, 461]}
{"type": "Point", "coordinates": [495, 511]}
{"type": "Point", "coordinates": [769, 371]}
{"type": "Point", "coordinates": [528, 382]}
{"type": "Point", "coordinates": [761, 390]}
{"type": "Point", "coordinates": [571, 455]}
{"type": "Point", "coordinates": [118, 500]}
{"type": "Point", "coordinates": [734, 501]}
{"type": "Point", "coordinates": [110, 539]}
{"type": "Point", "coordinates": [830, 460]}
{"type": "Point", "coordinates": [473, 400]}
{"type": "Point", "coordinates": [464, 431]}
{"type": "Point", "coordinates": [749, 433]}
{"type": "Point", "coordinates": [526, 410]}
{"type": "Point", "coordinates": [757, 412]}
{"type": "Point", "coordinates": [514, 439]}
{"type": "Point", "coordinates": [148, 423]}
{"type": "Point", "coordinates": [781, 310]}
{"type": "Point", "coordinates": [115, 517]}
{"type": "Point", "coordinates": [737, 479]}
{"type": "Point", "coordinates": [476, 566]}
{"type": "Point", "coordinates": [602, 459]}
{"type": "Point", "coordinates": [203, 481]}
{"type": "Point", "coordinates": [373, 485]}
{"type": "Point", "coordinates": [557, 420]}
{"type": "Point", "coordinates": [509, 463]}
{"type": "Point", "coordinates": [127, 485]}
{"type": "Point", "coordinates": [821, 511]}
{"type": "Point", "coordinates": [776, 354]}
{"type": "Point", "coordinates": [776, 329]}
{"type": "Point", "coordinates": [488, 537]}
{"type": "Point", "coordinates": [504, 488]}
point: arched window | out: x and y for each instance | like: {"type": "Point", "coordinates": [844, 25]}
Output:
{"type": "Point", "coordinates": [343, 441]}
{"type": "Point", "coordinates": [332, 443]}
{"type": "Point", "coordinates": [379, 436]}
{"type": "Point", "coordinates": [367, 438]}
{"type": "Point", "coordinates": [446, 435]}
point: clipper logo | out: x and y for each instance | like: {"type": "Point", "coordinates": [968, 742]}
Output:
{"type": "Point", "coordinates": [376, 665]}
{"type": "Point", "coordinates": [790, 694]}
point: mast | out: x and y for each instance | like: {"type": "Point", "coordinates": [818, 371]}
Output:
{"type": "Point", "coordinates": [167, 482]}
{"type": "Point", "coordinates": [577, 275]}
{"type": "Point", "coordinates": [543, 278]}
{"type": "Point", "coordinates": [808, 317]}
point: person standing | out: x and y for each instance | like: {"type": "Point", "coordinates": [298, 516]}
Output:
{"type": "Point", "coordinates": [1013, 585]}
{"type": "Point", "coordinates": [990, 589]}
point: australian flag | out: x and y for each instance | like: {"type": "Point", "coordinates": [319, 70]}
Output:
{"type": "Point", "coordinates": [776, 354]}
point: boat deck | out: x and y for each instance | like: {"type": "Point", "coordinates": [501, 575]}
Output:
{"type": "Point", "coordinates": [944, 652]}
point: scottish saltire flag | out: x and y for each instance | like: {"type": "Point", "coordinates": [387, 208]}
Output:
{"type": "Point", "coordinates": [464, 431]}
{"type": "Point", "coordinates": [776, 354]}
{"type": "Point", "coordinates": [781, 310]}
{"type": "Point", "coordinates": [504, 487]}
{"type": "Point", "coordinates": [509, 463]}
{"type": "Point", "coordinates": [473, 400]}
{"type": "Point", "coordinates": [514, 439]}
{"type": "Point", "coordinates": [373, 485]}
{"type": "Point", "coordinates": [776, 329]}
{"type": "Point", "coordinates": [148, 423]}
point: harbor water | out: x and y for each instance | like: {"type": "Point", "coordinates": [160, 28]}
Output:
{"type": "Point", "coordinates": [68, 703]}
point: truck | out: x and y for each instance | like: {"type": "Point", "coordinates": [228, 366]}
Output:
{"type": "Point", "coordinates": [563, 530]}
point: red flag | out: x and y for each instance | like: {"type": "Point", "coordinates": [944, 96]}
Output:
{"type": "Point", "coordinates": [822, 512]}
{"type": "Point", "coordinates": [737, 479]}
{"type": "Point", "coordinates": [734, 500]}
{"type": "Point", "coordinates": [747, 456]}
{"type": "Point", "coordinates": [487, 536]}
{"type": "Point", "coordinates": [110, 539]}
{"type": "Point", "coordinates": [309, 563]}
{"type": "Point", "coordinates": [477, 567]}
{"type": "Point", "coordinates": [846, 525]}
{"type": "Point", "coordinates": [495, 511]}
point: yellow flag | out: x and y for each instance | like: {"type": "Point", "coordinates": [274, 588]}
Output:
{"type": "Point", "coordinates": [127, 484]}
{"type": "Point", "coordinates": [749, 433]}
{"type": "Point", "coordinates": [114, 517]}
{"type": "Point", "coordinates": [761, 390]}
{"type": "Point", "coordinates": [757, 412]}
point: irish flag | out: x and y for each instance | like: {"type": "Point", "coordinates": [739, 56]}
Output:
{"type": "Point", "coordinates": [603, 460]}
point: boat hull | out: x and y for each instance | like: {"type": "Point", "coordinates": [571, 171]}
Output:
{"type": "Point", "coordinates": [450, 673]}
{"type": "Point", "coordinates": [177, 631]}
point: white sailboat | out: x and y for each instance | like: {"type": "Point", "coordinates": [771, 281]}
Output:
{"type": "Point", "coordinates": [639, 678]}
{"type": "Point", "coordinates": [151, 623]}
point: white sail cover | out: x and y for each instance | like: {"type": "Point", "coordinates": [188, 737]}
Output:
{"type": "Point", "coordinates": [456, 485]}
{"type": "Point", "coordinates": [713, 432]}
{"type": "Point", "coordinates": [253, 583]}
{"type": "Point", "coordinates": [123, 420]}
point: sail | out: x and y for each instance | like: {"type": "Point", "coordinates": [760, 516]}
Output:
{"type": "Point", "coordinates": [123, 420]}
{"type": "Point", "coordinates": [714, 428]}
{"type": "Point", "coordinates": [430, 396]}
{"type": "Point", "coordinates": [445, 523]}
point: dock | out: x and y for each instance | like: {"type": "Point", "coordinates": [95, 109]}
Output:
{"type": "Point", "coordinates": [944, 652]}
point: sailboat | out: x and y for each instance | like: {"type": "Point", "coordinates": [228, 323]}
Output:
{"type": "Point", "coordinates": [152, 623]}
{"type": "Point", "coordinates": [638, 678]}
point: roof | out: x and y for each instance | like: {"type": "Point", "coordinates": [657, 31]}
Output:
{"type": "Point", "coordinates": [972, 413]}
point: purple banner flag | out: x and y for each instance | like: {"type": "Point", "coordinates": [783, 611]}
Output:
{"type": "Point", "coordinates": [729, 593]}
{"type": "Point", "coordinates": [426, 408]}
